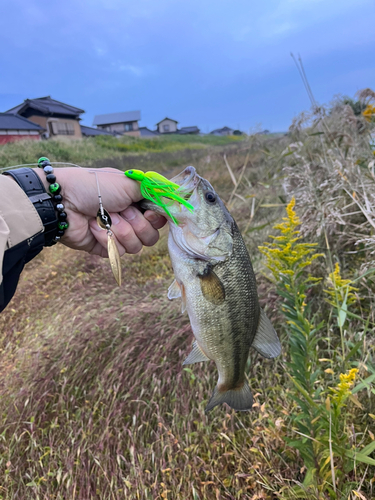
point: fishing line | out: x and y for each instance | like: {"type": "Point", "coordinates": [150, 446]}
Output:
{"type": "Point", "coordinates": [16, 166]}
{"type": "Point", "coordinates": [64, 163]}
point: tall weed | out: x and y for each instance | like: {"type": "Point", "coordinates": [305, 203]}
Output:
{"type": "Point", "coordinates": [321, 421]}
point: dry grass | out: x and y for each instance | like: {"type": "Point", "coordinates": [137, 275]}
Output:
{"type": "Point", "coordinates": [95, 403]}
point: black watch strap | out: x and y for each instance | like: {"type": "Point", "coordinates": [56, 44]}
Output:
{"type": "Point", "coordinates": [30, 182]}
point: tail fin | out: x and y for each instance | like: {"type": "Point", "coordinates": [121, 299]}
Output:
{"type": "Point", "coordinates": [239, 399]}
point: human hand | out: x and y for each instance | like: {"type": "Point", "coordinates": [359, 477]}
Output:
{"type": "Point", "coordinates": [80, 198]}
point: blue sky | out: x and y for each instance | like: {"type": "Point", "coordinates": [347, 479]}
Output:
{"type": "Point", "coordinates": [208, 63]}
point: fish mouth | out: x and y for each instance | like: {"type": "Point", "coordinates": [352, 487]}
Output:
{"type": "Point", "coordinates": [188, 180]}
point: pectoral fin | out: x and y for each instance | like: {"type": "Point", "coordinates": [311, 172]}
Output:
{"type": "Point", "coordinates": [266, 341]}
{"type": "Point", "coordinates": [174, 291]}
{"type": "Point", "coordinates": [196, 355]}
{"type": "Point", "coordinates": [211, 286]}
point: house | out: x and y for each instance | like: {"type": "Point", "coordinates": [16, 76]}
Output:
{"type": "Point", "coordinates": [223, 131]}
{"type": "Point", "coordinates": [146, 132]}
{"type": "Point", "coordinates": [57, 118]}
{"type": "Point", "coordinates": [188, 130]}
{"type": "Point", "coordinates": [125, 123]}
{"type": "Point", "coordinates": [167, 126]}
{"type": "Point", "coordinates": [90, 132]}
{"type": "Point", "coordinates": [15, 128]}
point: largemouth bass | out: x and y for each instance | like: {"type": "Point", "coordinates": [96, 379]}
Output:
{"type": "Point", "coordinates": [215, 280]}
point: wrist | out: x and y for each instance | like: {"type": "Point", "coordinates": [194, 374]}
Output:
{"type": "Point", "coordinates": [42, 176]}
{"type": "Point", "coordinates": [54, 191]}
{"type": "Point", "coordinates": [35, 190]}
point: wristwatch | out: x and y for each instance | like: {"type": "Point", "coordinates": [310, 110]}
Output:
{"type": "Point", "coordinates": [30, 182]}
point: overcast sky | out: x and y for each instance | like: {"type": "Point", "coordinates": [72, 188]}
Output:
{"type": "Point", "coordinates": [208, 63]}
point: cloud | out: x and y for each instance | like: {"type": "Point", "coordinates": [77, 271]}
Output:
{"type": "Point", "coordinates": [129, 68]}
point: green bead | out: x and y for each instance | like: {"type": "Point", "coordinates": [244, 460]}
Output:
{"type": "Point", "coordinates": [43, 158]}
{"type": "Point", "coordinates": [63, 226]}
{"type": "Point", "coordinates": [54, 188]}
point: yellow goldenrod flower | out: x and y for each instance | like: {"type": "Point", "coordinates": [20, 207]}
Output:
{"type": "Point", "coordinates": [369, 113]}
{"type": "Point", "coordinates": [343, 388]}
{"type": "Point", "coordinates": [339, 289]}
{"type": "Point", "coordinates": [286, 255]}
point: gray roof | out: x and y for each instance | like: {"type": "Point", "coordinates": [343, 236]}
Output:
{"type": "Point", "coordinates": [126, 116]}
{"type": "Point", "coordinates": [48, 106]}
{"type": "Point", "coordinates": [189, 130]}
{"type": "Point", "coordinates": [166, 118]}
{"type": "Point", "coordinates": [221, 130]}
{"type": "Point", "coordinates": [89, 131]}
{"type": "Point", "coordinates": [8, 121]}
{"type": "Point", "coordinates": [146, 132]}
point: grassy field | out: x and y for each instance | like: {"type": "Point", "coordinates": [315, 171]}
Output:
{"type": "Point", "coordinates": [95, 150]}
{"type": "Point", "coordinates": [95, 402]}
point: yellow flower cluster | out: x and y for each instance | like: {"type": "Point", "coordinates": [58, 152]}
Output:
{"type": "Point", "coordinates": [369, 113]}
{"type": "Point", "coordinates": [286, 255]}
{"type": "Point", "coordinates": [342, 391]}
{"type": "Point", "coordinates": [339, 288]}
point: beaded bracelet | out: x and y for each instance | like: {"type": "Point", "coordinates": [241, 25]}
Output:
{"type": "Point", "coordinates": [55, 190]}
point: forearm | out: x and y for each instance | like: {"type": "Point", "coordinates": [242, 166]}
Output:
{"type": "Point", "coordinates": [21, 235]}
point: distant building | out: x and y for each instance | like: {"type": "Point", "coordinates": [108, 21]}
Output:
{"type": "Point", "coordinates": [146, 132]}
{"type": "Point", "coordinates": [125, 123]}
{"type": "Point", "coordinates": [16, 128]}
{"type": "Point", "coordinates": [167, 126]}
{"type": "Point", "coordinates": [90, 131]}
{"type": "Point", "coordinates": [55, 117]}
{"type": "Point", "coordinates": [188, 130]}
{"type": "Point", "coordinates": [223, 131]}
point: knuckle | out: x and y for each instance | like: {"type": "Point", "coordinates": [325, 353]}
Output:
{"type": "Point", "coordinates": [142, 226]}
{"type": "Point", "coordinates": [135, 247]}
{"type": "Point", "coordinates": [153, 238]}
{"type": "Point", "coordinates": [126, 231]}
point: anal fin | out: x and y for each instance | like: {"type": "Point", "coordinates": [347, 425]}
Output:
{"type": "Point", "coordinates": [266, 341]}
{"type": "Point", "coordinates": [196, 355]}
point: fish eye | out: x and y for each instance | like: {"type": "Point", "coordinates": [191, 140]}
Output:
{"type": "Point", "coordinates": [210, 197]}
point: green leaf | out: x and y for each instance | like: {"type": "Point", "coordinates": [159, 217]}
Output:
{"type": "Point", "coordinates": [356, 316]}
{"type": "Point", "coordinates": [353, 350]}
{"type": "Point", "coordinates": [364, 384]}
{"type": "Point", "coordinates": [343, 310]}
{"type": "Point", "coordinates": [370, 271]}
{"type": "Point", "coordinates": [359, 457]}
{"type": "Point", "coordinates": [303, 391]}
{"type": "Point", "coordinates": [368, 449]}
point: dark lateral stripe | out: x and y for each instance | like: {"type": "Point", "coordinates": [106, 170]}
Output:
{"type": "Point", "coordinates": [244, 315]}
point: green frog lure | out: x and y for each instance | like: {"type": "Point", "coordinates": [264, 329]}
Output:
{"type": "Point", "coordinates": [154, 187]}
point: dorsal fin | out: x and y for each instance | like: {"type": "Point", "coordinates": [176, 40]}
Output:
{"type": "Point", "coordinates": [266, 341]}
